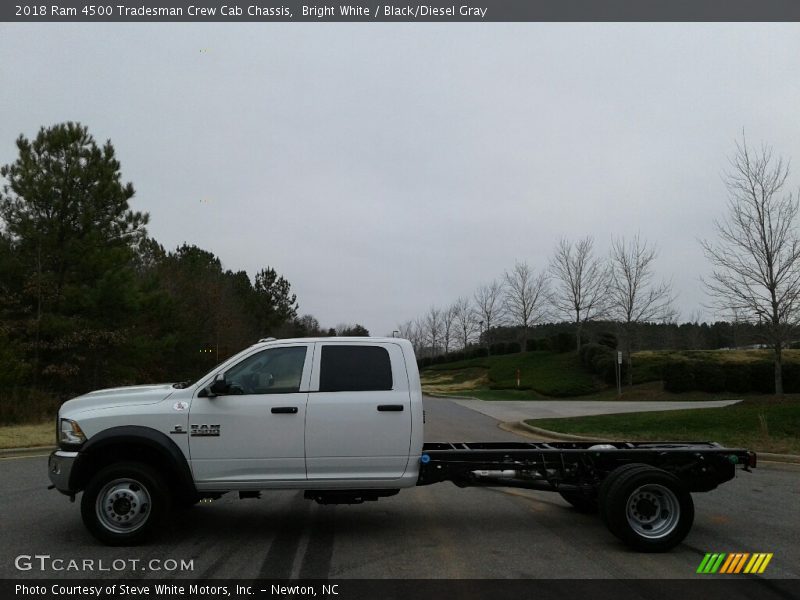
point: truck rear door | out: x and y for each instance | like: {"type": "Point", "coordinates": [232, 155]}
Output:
{"type": "Point", "coordinates": [358, 416]}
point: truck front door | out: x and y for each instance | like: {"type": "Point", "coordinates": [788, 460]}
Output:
{"type": "Point", "coordinates": [358, 420]}
{"type": "Point", "coordinates": [254, 431]}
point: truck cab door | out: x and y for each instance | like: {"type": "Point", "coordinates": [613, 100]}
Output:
{"type": "Point", "coordinates": [358, 418]}
{"type": "Point", "coordinates": [254, 431]}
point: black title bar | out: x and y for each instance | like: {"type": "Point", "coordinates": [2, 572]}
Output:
{"type": "Point", "coordinates": [740, 588]}
{"type": "Point", "coordinates": [393, 11]}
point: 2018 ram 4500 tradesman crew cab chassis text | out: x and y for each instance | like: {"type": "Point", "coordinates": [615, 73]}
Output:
{"type": "Point", "coordinates": [342, 419]}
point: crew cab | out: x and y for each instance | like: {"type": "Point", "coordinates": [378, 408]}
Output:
{"type": "Point", "coordinates": [342, 419]}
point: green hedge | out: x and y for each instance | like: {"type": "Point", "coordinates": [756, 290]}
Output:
{"type": "Point", "coordinates": [736, 377]}
{"type": "Point", "coordinates": [679, 376]}
{"type": "Point", "coordinates": [601, 360]}
{"type": "Point", "coordinates": [473, 352]}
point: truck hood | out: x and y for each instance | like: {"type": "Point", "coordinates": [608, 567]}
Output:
{"type": "Point", "coordinates": [111, 397]}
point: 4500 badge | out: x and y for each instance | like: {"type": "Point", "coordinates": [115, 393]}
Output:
{"type": "Point", "coordinates": [203, 430]}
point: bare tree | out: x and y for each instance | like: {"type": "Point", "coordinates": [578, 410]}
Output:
{"type": "Point", "coordinates": [489, 306]}
{"type": "Point", "coordinates": [419, 337]}
{"type": "Point", "coordinates": [633, 296]}
{"type": "Point", "coordinates": [406, 331]}
{"type": "Point", "coordinates": [581, 291]}
{"type": "Point", "coordinates": [756, 258]}
{"type": "Point", "coordinates": [525, 297]}
{"type": "Point", "coordinates": [465, 320]}
{"type": "Point", "coordinates": [433, 329]}
{"type": "Point", "coordinates": [448, 326]}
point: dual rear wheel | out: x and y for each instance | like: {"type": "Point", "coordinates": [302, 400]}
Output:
{"type": "Point", "coordinates": [647, 508]}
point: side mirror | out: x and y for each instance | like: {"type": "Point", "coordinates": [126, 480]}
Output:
{"type": "Point", "coordinates": [218, 387]}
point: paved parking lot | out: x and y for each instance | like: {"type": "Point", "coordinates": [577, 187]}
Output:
{"type": "Point", "coordinates": [438, 531]}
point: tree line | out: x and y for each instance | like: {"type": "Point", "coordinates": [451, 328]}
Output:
{"type": "Point", "coordinates": [88, 299]}
{"type": "Point", "coordinates": [578, 286]}
{"type": "Point", "coordinates": [754, 284]}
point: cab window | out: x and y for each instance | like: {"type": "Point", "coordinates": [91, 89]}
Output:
{"type": "Point", "coordinates": [272, 371]}
{"type": "Point", "coordinates": [354, 369]}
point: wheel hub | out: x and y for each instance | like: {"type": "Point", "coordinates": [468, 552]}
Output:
{"type": "Point", "coordinates": [653, 511]}
{"type": "Point", "coordinates": [646, 508]}
{"type": "Point", "coordinates": [123, 505]}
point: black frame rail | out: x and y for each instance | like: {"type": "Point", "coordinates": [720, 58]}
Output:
{"type": "Point", "coordinates": [576, 466]}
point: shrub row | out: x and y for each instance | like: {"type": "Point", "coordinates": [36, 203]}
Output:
{"type": "Point", "coordinates": [475, 352]}
{"type": "Point", "coordinates": [560, 342]}
{"type": "Point", "coordinates": [18, 405]}
{"type": "Point", "coordinates": [736, 377]}
{"type": "Point", "coordinates": [601, 360]}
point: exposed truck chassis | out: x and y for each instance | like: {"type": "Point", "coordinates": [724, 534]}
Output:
{"type": "Point", "coordinates": [576, 466]}
{"type": "Point", "coordinates": [641, 489]}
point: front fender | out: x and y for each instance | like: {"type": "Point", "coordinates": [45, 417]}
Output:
{"type": "Point", "coordinates": [131, 442]}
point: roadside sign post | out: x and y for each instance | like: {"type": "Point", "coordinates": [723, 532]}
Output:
{"type": "Point", "coordinates": [619, 373]}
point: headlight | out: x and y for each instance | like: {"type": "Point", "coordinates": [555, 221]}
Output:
{"type": "Point", "coordinates": [71, 432]}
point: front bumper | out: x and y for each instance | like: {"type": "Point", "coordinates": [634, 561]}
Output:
{"type": "Point", "coordinates": [59, 468]}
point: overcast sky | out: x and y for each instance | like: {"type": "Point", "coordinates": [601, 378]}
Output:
{"type": "Point", "coordinates": [383, 168]}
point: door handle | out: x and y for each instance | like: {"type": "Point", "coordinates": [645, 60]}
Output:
{"type": "Point", "coordinates": [390, 407]}
{"type": "Point", "coordinates": [284, 410]}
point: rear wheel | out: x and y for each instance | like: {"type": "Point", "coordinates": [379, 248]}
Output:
{"type": "Point", "coordinates": [585, 503]}
{"type": "Point", "coordinates": [125, 503]}
{"type": "Point", "coordinates": [648, 509]}
{"type": "Point", "coordinates": [602, 491]}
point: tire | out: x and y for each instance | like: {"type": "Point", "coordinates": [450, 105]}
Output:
{"type": "Point", "coordinates": [602, 492]}
{"type": "Point", "coordinates": [648, 509]}
{"type": "Point", "coordinates": [584, 503]}
{"type": "Point", "coordinates": [125, 503]}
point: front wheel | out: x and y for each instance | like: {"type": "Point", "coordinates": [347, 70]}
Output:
{"type": "Point", "coordinates": [124, 504]}
{"type": "Point", "coordinates": [649, 509]}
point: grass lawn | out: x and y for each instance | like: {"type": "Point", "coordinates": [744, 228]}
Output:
{"type": "Point", "coordinates": [541, 374]}
{"type": "Point", "coordinates": [761, 423]}
{"type": "Point", "coordinates": [21, 436]}
{"type": "Point", "coordinates": [546, 374]}
{"type": "Point", "coordinates": [501, 395]}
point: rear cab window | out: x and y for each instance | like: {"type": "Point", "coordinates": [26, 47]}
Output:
{"type": "Point", "coordinates": [354, 368]}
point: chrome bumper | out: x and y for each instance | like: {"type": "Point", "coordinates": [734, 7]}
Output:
{"type": "Point", "coordinates": [59, 468]}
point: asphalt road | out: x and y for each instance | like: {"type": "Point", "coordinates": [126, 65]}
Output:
{"type": "Point", "coordinates": [438, 531]}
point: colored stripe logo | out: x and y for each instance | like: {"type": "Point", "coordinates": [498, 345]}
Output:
{"type": "Point", "coordinates": [734, 562]}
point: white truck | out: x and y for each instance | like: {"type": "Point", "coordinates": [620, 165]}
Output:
{"type": "Point", "coordinates": [342, 419]}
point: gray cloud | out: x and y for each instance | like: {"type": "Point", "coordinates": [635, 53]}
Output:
{"type": "Point", "coordinates": [386, 167]}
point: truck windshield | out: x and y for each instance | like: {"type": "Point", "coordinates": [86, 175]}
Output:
{"type": "Point", "coordinates": [218, 367]}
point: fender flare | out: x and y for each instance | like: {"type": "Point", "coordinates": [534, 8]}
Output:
{"type": "Point", "coordinates": [134, 435]}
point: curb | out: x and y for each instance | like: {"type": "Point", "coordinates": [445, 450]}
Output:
{"type": "Point", "coordinates": [23, 451]}
{"type": "Point", "coordinates": [762, 456]}
{"type": "Point", "coordinates": [784, 458]}
{"type": "Point", "coordinates": [448, 397]}
{"type": "Point", "coordinates": [567, 437]}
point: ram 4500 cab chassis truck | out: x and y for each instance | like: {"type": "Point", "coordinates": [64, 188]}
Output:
{"type": "Point", "coordinates": [342, 419]}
